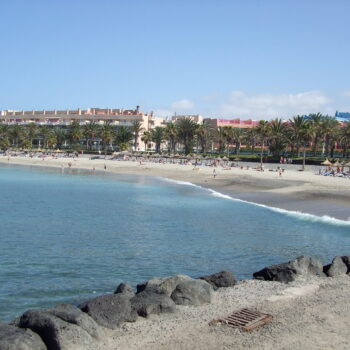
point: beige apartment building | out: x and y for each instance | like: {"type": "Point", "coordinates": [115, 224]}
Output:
{"type": "Point", "coordinates": [235, 123]}
{"type": "Point", "coordinates": [195, 117]}
{"type": "Point", "coordinates": [117, 117]}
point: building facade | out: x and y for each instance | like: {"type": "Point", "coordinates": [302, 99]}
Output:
{"type": "Point", "coordinates": [235, 123]}
{"type": "Point", "coordinates": [195, 117]}
{"type": "Point", "coordinates": [117, 117]}
{"type": "Point", "coordinates": [342, 116]}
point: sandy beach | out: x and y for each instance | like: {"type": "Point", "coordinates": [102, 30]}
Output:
{"type": "Point", "coordinates": [302, 191]}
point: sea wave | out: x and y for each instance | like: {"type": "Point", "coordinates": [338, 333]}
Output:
{"type": "Point", "coordinates": [291, 213]}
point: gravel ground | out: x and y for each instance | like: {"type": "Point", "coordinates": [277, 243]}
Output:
{"type": "Point", "coordinates": [308, 314]}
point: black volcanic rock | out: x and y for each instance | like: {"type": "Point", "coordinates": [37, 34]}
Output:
{"type": "Point", "coordinates": [287, 272]}
{"type": "Point", "coordinates": [220, 279]}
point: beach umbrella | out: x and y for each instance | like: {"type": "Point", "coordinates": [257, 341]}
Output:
{"type": "Point", "coordinates": [237, 159]}
{"type": "Point", "coordinates": [326, 162]}
{"type": "Point", "coordinates": [125, 153]}
{"type": "Point", "coordinates": [337, 164]}
{"type": "Point", "coordinates": [225, 159]}
{"type": "Point", "coordinates": [347, 164]}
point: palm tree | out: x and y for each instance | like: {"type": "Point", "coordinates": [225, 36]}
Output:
{"type": "Point", "coordinates": [305, 135]}
{"type": "Point", "coordinates": [278, 136]}
{"type": "Point", "coordinates": [51, 140]}
{"type": "Point", "coordinates": [297, 125]}
{"type": "Point", "coordinates": [345, 139]}
{"type": "Point", "coordinates": [228, 132]}
{"type": "Point", "coordinates": [106, 133]}
{"type": "Point", "coordinates": [219, 135]}
{"type": "Point", "coordinates": [315, 120]}
{"type": "Point", "coordinates": [329, 129]}
{"type": "Point", "coordinates": [238, 136]}
{"type": "Point", "coordinates": [123, 137]}
{"type": "Point", "coordinates": [263, 132]}
{"type": "Point", "coordinates": [4, 136]}
{"type": "Point", "coordinates": [60, 135]}
{"type": "Point", "coordinates": [44, 133]}
{"type": "Point", "coordinates": [75, 133]}
{"type": "Point", "coordinates": [171, 135]}
{"type": "Point", "coordinates": [186, 131]}
{"type": "Point", "coordinates": [203, 133]}
{"type": "Point", "coordinates": [251, 137]}
{"type": "Point", "coordinates": [136, 127]}
{"type": "Point", "coordinates": [146, 138]}
{"type": "Point", "coordinates": [16, 133]}
{"type": "Point", "coordinates": [158, 136]}
{"type": "Point", "coordinates": [90, 131]}
{"type": "Point", "coordinates": [32, 131]}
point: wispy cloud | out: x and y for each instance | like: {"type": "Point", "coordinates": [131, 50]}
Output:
{"type": "Point", "coordinates": [346, 93]}
{"type": "Point", "coordinates": [267, 106]}
{"type": "Point", "coordinates": [163, 112]}
{"type": "Point", "coordinates": [183, 105]}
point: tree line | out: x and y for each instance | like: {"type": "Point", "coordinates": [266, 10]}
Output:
{"type": "Point", "coordinates": [314, 133]}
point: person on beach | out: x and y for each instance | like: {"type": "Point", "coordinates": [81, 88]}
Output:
{"type": "Point", "coordinates": [214, 173]}
{"type": "Point", "coordinates": [280, 172]}
{"type": "Point", "coordinates": [105, 167]}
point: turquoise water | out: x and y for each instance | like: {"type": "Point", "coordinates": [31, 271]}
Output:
{"type": "Point", "coordinates": [68, 237]}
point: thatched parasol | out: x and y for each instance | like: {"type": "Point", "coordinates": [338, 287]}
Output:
{"type": "Point", "coordinates": [327, 162]}
{"type": "Point", "coordinates": [337, 164]}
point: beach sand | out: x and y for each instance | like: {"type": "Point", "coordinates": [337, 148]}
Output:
{"type": "Point", "coordinates": [294, 190]}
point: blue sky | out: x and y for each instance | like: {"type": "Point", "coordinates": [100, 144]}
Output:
{"type": "Point", "coordinates": [258, 59]}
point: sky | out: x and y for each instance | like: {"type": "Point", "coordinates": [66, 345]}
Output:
{"type": "Point", "coordinates": [256, 59]}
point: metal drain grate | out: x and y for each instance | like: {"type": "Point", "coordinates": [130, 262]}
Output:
{"type": "Point", "coordinates": [245, 319]}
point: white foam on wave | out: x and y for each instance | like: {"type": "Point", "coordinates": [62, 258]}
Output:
{"type": "Point", "coordinates": [295, 214]}
{"type": "Point", "coordinates": [177, 182]}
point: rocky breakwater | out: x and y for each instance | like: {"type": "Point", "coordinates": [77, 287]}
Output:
{"type": "Point", "coordinates": [67, 327]}
{"type": "Point", "coordinates": [304, 267]}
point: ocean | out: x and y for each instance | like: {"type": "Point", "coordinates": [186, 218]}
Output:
{"type": "Point", "coordinates": [67, 237]}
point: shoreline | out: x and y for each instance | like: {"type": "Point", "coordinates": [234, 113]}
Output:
{"type": "Point", "coordinates": [302, 192]}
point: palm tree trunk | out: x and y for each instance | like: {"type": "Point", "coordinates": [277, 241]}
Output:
{"type": "Point", "coordinates": [261, 154]}
{"type": "Point", "coordinates": [304, 157]}
{"type": "Point", "coordinates": [314, 146]}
